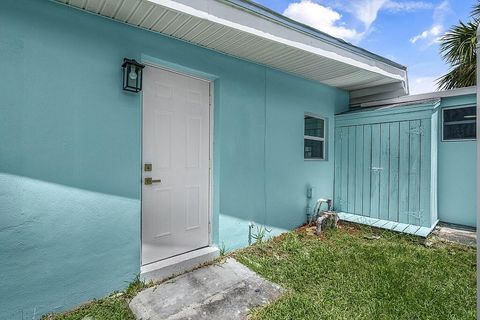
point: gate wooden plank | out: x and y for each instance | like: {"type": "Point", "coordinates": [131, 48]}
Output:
{"type": "Point", "coordinates": [338, 169]}
{"type": "Point", "coordinates": [367, 173]}
{"type": "Point", "coordinates": [423, 232]}
{"type": "Point", "coordinates": [393, 181]}
{"type": "Point", "coordinates": [425, 173]}
{"type": "Point", "coordinates": [412, 229]}
{"type": "Point", "coordinates": [375, 168]}
{"type": "Point", "coordinates": [384, 172]}
{"type": "Point", "coordinates": [344, 179]}
{"type": "Point", "coordinates": [414, 174]}
{"type": "Point", "coordinates": [400, 227]}
{"type": "Point", "coordinates": [351, 169]}
{"type": "Point", "coordinates": [359, 170]}
{"type": "Point", "coordinates": [403, 171]}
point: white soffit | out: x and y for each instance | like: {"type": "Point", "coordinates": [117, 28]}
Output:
{"type": "Point", "coordinates": [234, 28]}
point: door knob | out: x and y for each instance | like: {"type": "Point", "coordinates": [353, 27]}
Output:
{"type": "Point", "coordinates": [149, 181]}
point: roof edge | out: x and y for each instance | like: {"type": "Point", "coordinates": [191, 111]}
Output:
{"type": "Point", "coordinates": [276, 17]}
{"type": "Point", "coordinates": [395, 109]}
{"type": "Point", "coordinates": [422, 96]}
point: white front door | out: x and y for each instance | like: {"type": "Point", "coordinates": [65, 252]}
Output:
{"type": "Point", "coordinates": [176, 143]}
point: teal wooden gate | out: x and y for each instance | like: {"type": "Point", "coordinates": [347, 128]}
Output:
{"type": "Point", "coordinates": [385, 164]}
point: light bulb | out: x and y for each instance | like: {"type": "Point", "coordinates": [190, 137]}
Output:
{"type": "Point", "coordinates": [133, 74]}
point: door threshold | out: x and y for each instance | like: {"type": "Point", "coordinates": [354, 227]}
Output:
{"type": "Point", "coordinates": [179, 264]}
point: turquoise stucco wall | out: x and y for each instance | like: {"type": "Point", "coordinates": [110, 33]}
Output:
{"type": "Point", "coordinates": [287, 173]}
{"type": "Point", "coordinates": [457, 173]}
{"type": "Point", "coordinates": [70, 152]}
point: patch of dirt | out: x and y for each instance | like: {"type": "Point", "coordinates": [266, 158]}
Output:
{"type": "Point", "coordinates": [352, 229]}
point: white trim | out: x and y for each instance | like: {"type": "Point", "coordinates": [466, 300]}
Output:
{"type": "Point", "coordinates": [141, 173]}
{"type": "Point", "coordinates": [423, 96]}
{"type": "Point", "coordinates": [313, 138]}
{"type": "Point", "coordinates": [169, 69]}
{"type": "Point", "coordinates": [442, 123]}
{"type": "Point", "coordinates": [210, 163]}
{"type": "Point", "coordinates": [210, 179]}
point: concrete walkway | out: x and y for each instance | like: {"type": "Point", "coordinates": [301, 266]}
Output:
{"type": "Point", "coordinates": [456, 234]}
{"type": "Point", "coordinates": [221, 291]}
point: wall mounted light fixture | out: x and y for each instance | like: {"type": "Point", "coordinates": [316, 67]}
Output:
{"type": "Point", "coordinates": [132, 75]}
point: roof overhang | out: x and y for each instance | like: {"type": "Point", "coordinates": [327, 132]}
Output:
{"type": "Point", "coordinates": [395, 112]}
{"type": "Point", "coordinates": [422, 96]}
{"type": "Point", "coordinates": [249, 31]}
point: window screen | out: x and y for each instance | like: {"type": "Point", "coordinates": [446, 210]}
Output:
{"type": "Point", "coordinates": [314, 138]}
{"type": "Point", "coordinates": [459, 123]}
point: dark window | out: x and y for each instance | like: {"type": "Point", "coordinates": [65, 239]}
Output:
{"type": "Point", "coordinates": [459, 123]}
{"type": "Point", "coordinates": [314, 138]}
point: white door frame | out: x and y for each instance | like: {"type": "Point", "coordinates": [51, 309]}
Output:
{"type": "Point", "coordinates": [211, 136]}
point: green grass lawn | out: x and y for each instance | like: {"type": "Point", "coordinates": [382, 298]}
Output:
{"type": "Point", "coordinates": [363, 273]}
{"type": "Point", "coordinates": [114, 307]}
{"type": "Point", "coordinates": [353, 272]}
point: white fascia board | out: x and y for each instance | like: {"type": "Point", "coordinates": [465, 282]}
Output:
{"type": "Point", "coordinates": [423, 96]}
{"type": "Point", "coordinates": [214, 11]}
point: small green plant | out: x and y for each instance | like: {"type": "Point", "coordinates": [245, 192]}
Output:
{"type": "Point", "coordinates": [223, 249]}
{"type": "Point", "coordinates": [260, 234]}
{"type": "Point", "coordinates": [135, 287]}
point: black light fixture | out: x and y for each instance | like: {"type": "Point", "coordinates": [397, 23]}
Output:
{"type": "Point", "coordinates": [132, 75]}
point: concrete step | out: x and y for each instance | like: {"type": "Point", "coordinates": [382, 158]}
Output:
{"type": "Point", "coordinates": [223, 291]}
{"type": "Point", "coordinates": [176, 265]}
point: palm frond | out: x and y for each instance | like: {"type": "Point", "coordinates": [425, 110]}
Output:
{"type": "Point", "coordinates": [458, 48]}
{"type": "Point", "coordinates": [458, 44]}
{"type": "Point", "coordinates": [458, 77]}
{"type": "Point", "coordinates": [476, 11]}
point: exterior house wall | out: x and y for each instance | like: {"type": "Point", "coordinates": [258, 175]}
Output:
{"type": "Point", "coordinates": [457, 173]}
{"type": "Point", "coordinates": [70, 151]}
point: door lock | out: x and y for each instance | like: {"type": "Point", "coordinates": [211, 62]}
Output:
{"type": "Point", "coordinates": [147, 167]}
{"type": "Point", "coordinates": [149, 181]}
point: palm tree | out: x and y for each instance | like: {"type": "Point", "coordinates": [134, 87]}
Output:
{"type": "Point", "coordinates": [458, 48]}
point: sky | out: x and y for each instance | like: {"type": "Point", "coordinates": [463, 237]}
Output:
{"type": "Point", "coordinates": [405, 31]}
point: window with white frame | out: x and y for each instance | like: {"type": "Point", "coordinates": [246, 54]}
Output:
{"type": "Point", "coordinates": [314, 138]}
{"type": "Point", "coordinates": [459, 123]}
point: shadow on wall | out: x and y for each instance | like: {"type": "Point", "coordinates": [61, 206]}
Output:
{"type": "Point", "coordinates": [61, 246]}
{"type": "Point", "coordinates": [236, 232]}
{"type": "Point", "coordinates": [70, 150]}
{"type": "Point", "coordinates": [64, 117]}
{"type": "Point", "coordinates": [66, 120]}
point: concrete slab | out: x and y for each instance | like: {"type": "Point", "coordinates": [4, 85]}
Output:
{"type": "Point", "coordinates": [454, 233]}
{"type": "Point", "coordinates": [177, 265]}
{"type": "Point", "coordinates": [224, 291]}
